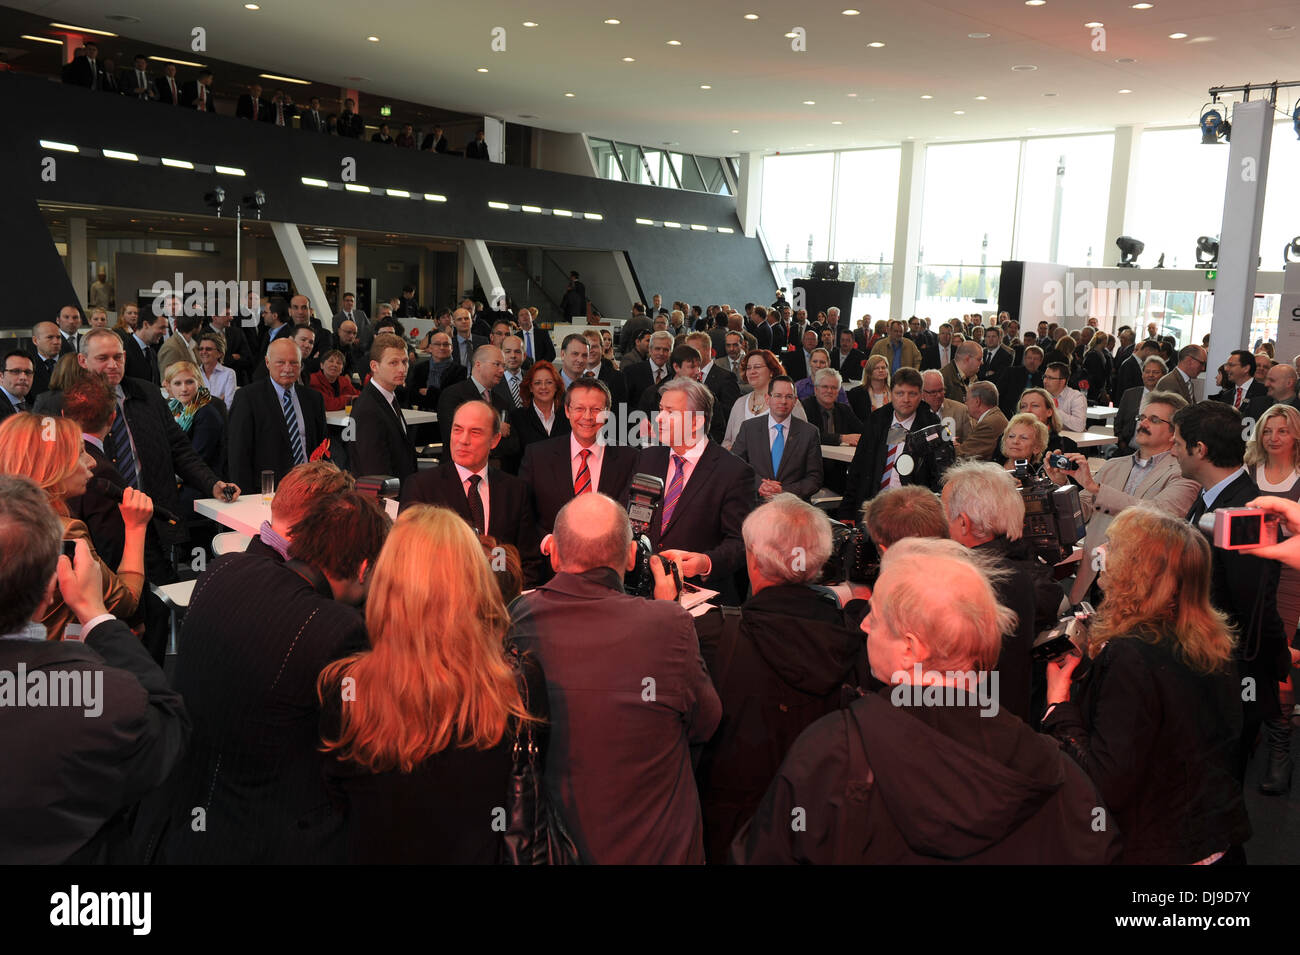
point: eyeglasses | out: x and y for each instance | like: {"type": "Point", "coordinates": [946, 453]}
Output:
{"type": "Point", "coordinates": [932, 391]}
{"type": "Point", "coordinates": [1152, 419]}
{"type": "Point", "coordinates": [20, 372]}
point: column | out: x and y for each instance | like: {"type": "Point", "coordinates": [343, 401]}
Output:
{"type": "Point", "coordinates": [301, 270]}
{"type": "Point", "coordinates": [78, 264]}
{"type": "Point", "coordinates": [749, 192]}
{"type": "Point", "coordinates": [348, 266]}
{"type": "Point", "coordinates": [1123, 184]}
{"type": "Point", "coordinates": [907, 230]}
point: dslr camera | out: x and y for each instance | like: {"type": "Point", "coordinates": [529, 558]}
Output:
{"type": "Point", "coordinates": [1069, 634]}
{"type": "Point", "coordinates": [643, 497]}
{"type": "Point", "coordinates": [853, 556]}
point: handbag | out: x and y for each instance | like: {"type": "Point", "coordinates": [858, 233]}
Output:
{"type": "Point", "coordinates": [535, 832]}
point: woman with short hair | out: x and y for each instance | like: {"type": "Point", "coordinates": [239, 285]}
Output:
{"type": "Point", "coordinates": [334, 386]}
{"type": "Point", "coordinates": [1024, 438]}
{"type": "Point", "coordinates": [217, 378]}
{"type": "Point", "coordinates": [761, 366]}
{"type": "Point", "coordinates": [1155, 718]}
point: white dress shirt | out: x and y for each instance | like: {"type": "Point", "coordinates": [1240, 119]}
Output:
{"type": "Point", "coordinates": [297, 410]}
{"type": "Point", "coordinates": [771, 429]}
{"type": "Point", "coordinates": [221, 383]}
{"type": "Point", "coordinates": [1074, 409]}
{"type": "Point", "coordinates": [390, 397]}
{"type": "Point", "coordinates": [594, 460]}
{"type": "Point", "coordinates": [483, 491]}
{"type": "Point", "coordinates": [691, 457]}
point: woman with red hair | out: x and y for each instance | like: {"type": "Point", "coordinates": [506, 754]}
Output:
{"type": "Point", "coordinates": [761, 367]}
{"type": "Point", "coordinates": [542, 416]}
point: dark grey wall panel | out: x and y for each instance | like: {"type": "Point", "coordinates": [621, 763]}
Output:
{"type": "Point", "coordinates": [697, 266]}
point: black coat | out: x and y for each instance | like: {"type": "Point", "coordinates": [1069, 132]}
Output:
{"type": "Point", "coordinates": [868, 467]}
{"type": "Point", "coordinates": [726, 390]}
{"type": "Point", "coordinates": [639, 377]}
{"type": "Point", "coordinates": [256, 636]}
{"type": "Point", "coordinates": [531, 430]}
{"type": "Point", "coordinates": [543, 347]}
{"type": "Point", "coordinates": [237, 343]}
{"type": "Point", "coordinates": [141, 362]}
{"type": "Point", "coordinates": [1160, 741]}
{"type": "Point", "coordinates": [884, 778]}
{"type": "Point", "coordinates": [1012, 383]}
{"type": "Point", "coordinates": [43, 369]}
{"type": "Point", "coordinates": [777, 669]}
{"type": "Point", "coordinates": [1254, 402]}
{"type": "Point", "coordinates": [850, 368]}
{"type": "Point", "coordinates": [258, 438]}
{"type": "Point", "coordinates": [992, 367]}
{"type": "Point", "coordinates": [382, 446]}
{"type": "Point", "coordinates": [511, 516]}
{"type": "Point", "coordinates": [547, 469]}
{"type": "Point", "coordinates": [509, 449]}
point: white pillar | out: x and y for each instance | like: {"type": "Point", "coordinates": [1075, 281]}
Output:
{"type": "Point", "coordinates": [907, 229]}
{"type": "Point", "coordinates": [476, 251]}
{"type": "Point", "coordinates": [348, 267]}
{"type": "Point", "coordinates": [749, 192]}
{"type": "Point", "coordinates": [1123, 183]}
{"type": "Point", "coordinates": [1243, 214]}
{"type": "Point", "coordinates": [78, 264]}
{"type": "Point", "coordinates": [301, 270]}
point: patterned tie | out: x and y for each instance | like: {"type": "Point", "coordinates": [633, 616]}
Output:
{"type": "Point", "coordinates": [582, 483]}
{"type": "Point", "coordinates": [659, 375]}
{"type": "Point", "coordinates": [122, 455]}
{"type": "Point", "coordinates": [778, 447]}
{"type": "Point", "coordinates": [295, 436]}
{"type": "Point", "coordinates": [528, 344]}
{"type": "Point", "coordinates": [674, 491]}
{"type": "Point", "coordinates": [514, 391]}
{"type": "Point", "coordinates": [475, 498]}
{"type": "Point", "coordinates": [1237, 403]}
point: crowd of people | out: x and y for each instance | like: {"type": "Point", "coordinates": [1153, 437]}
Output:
{"type": "Point", "coordinates": [138, 81]}
{"type": "Point", "coordinates": [372, 702]}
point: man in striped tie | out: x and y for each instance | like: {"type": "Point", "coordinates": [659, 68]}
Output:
{"type": "Point", "coordinates": [512, 350]}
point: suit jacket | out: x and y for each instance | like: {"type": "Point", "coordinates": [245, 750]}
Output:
{"type": "Point", "coordinates": [1012, 382]}
{"type": "Point", "coordinates": [1254, 402]}
{"type": "Point", "coordinates": [476, 150]}
{"type": "Point", "coordinates": [960, 415]}
{"type": "Point", "coordinates": [531, 429]}
{"type": "Point", "coordinates": [763, 334]}
{"type": "Point", "coordinates": [850, 368]}
{"type": "Point", "coordinates": [511, 516]}
{"type": "Point", "coordinates": [846, 422]}
{"type": "Point", "coordinates": [1174, 382]}
{"type": "Point", "coordinates": [612, 377]}
{"type": "Point", "coordinates": [41, 381]}
{"type": "Point", "coordinates": [365, 327]}
{"type": "Point", "coordinates": [726, 389]}
{"type": "Point", "coordinates": [707, 519]}
{"type": "Point", "coordinates": [141, 362]}
{"type": "Point", "coordinates": [79, 72]}
{"type": "Point", "coordinates": [256, 636]}
{"type": "Point", "coordinates": [543, 347]}
{"type": "Point", "coordinates": [313, 124]}
{"type": "Point", "coordinates": [953, 385]}
{"type": "Point", "coordinates": [509, 449]}
{"type": "Point", "coordinates": [165, 91]}
{"type": "Point", "coordinates": [475, 341]}
{"type": "Point", "coordinates": [779, 337]}
{"type": "Point", "coordinates": [639, 376]}
{"type": "Point", "coordinates": [244, 108]}
{"type": "Point", "coordinates": [985, 436]}
{"type": "Point", "coordinates": [548, 471]}
{"type": "Point", "coordinates": [1129, 375]}
{"type": "Point", "coordinates": [795, 363]}
{"type": "Point", "coordinates": [173, 350]}
{"type": "Point", "coordinates": [1126, 418]}
{"type": "Point", "coordinates": [932, 357]}
{"type": "Point", "coordinates": [992, 366]}
{"type": "Point", "coordinates": [619, 767]}
{"type": "Point", "coordinates": [351, 125]}
{"type": "Point", "coordinates": [383, 445]}
{"type": "Point", "coordinates": [1164, 486]}
{"type": "Point", "coordinates": [99, 512]}
{"type": "Point", "coordinates": [190, 97]}
{"type": "Point", "coordinates": [258, 437]}
{"type": "Point", "coordinates": [910, 357]}
{"type": "Point", "coordinates": [800, 472]}
{"type": "Point", "coordinates": [867, 470]}
{"type": "Point", "coordinates": [430, 144]}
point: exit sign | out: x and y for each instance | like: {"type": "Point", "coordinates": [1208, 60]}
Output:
{"type": "Point", "coordinates": [1211, 273]}
{"type": "Point", "coordinates": [385, 111]}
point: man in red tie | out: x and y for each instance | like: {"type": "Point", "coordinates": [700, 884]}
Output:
{"type": "Point", "coordinates": [169, 91]}
{"type": "Point", "coordinates": [1243, 392]}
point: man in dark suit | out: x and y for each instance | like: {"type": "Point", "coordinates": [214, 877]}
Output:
{"type": "Point", "coordinates": [434, 142]}
{"type": "Point", "coordinates": [797, 362]}
{"type": "Point", "coordinates": [142, 349]}
{"type": "Point", "coordinates": [251, 105]}
{"type": "Point", "coordinates": [785, 453]}
{"type": "Point", "coordinates": [168, 87]}
{"type": "Point", "coordinates": [537, 341]}
{"type": "Point", "coordinates": [619, 764]}
{"type": "Point", "coordinates": [464, 343]}
{"type": "Point", "coordinates": [939, 352]}
{"type": "Point", "coordinates": [135, 82]}
{"type": "Point", "coordinates": [1209, 446]}
{"type": "Point", "coordinates": [312, 118]}
{"type": "Point", "coordinates": [1128, 374]}
{"type": "Point", "coordinates": [383, 444]}
{"type": "Point", "coordinates": [721, 382]}
{"type": "Point", "coordinates": [1015, 379]}
{"type": "Point", "coordinates": [197, 93]}
{"type": "Point", "coordinates": [257, 635]}
{"type": "Point", "coordinates": [997, 358]}
{"type": "Point", "coordinates": [275, 325]}
{"type": "Point", "coordinates": [1127, 338]}
{"type": "Point", "coordinates": [762, 330]}
{"type": "Point", "coordinates": [282, 111]}
{"type": "Point", "coordinates": [69, 322]}
{"type": "Point", "coordinates": [44, 351]}
{"type": "Point", "coordinates": [148, 449]}
{"type": "Point", "coordinates": [478, 148]}
{"type": "Point", "coordinates": [275, 422]}
{"type": "Point", "coordinates": [654, 371]}
{"type": "Point", "coordinates": [884, 442]}
{"type": "Point", "coordinates": [83, 70]}
{"type": "Point", "coordinates": [16, 381]}
{"type": "Point", "coordinates": [90, 403]}
{"type": "Point", "coordinates": [1131, 403]}
{"type": "Point", "coordinates": [835, 422]}
{"type": "Point", "coordinates": [558, 469]}
{"type": "Point", "coordinates": [487, 371]}
{"type": "Point", "coordinates": [238, 354]}
{"type": "Point", "coordinates": [505, 512]}
{"type": "Point", "coordinates": [350, 123]}
{"type": "Point", "coordinates": [848, 359]}
{"type": "Point", "coordinates": [108, 80]}
{"type": "Point", "coordinates": [708, 491]}
{"type": "Point", "coordinates": [605, 371]}
{"type": "Point", "coordinates": [574, 301]}
{"type": "Point", "coordinates": [1243, 392]}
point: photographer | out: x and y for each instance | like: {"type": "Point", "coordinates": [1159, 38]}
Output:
{"type": "Point", "coordinates": [987, 514]}
{"type": "Point", "coordinates": [1210, 448]}
{"type": "Point", "coordinates": [778, 663]}
{"type": "Point", "coordinates": [927, 783]}
{"type": "Point", "coordinates": [629, 691]}
{"type": "Point", "coordinates": [1156, 718]}
{"type": "Point", "coordinates": [1150, 474]}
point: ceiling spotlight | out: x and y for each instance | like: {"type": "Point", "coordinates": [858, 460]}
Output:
{"type": "Point", "coordinates": [705, 86]}
{"type": "Point", "coordinates": [215, 198]}
{"type": "Point", "coordinates": [751, 16]}
{"type": "Point", "coordinates": [1178, 36]}
{"type": "Point", "coordinates": [530, 23]}
{"type": "Point", "coordinates": [981, 98]}
{"type": "Point", "coordinates": [979, 36]}
{"type": "Point", "coordinates": [1126, 91]}
{"type": "Point", "coordinates": [810, 102]}
{"type": "Point", "coordinates": [1093, 24]}
{"type": "Point", "coordinates": [1213, 126]}
{"type": "Point", "coordinates": [373, 39]}
{"type": "Point", "coordinates": [612, 22]}
{"type": "Point", "coordinates": [481, 69]}
{"type": "Point", "coordinates": [926, 96]}
{"type": "Point", "coordinates": [791, 35]}
{"type": "Point", "coordinates": [1290, 249]}
{"type": "Point", "coordinates": [959, 112]}
{"type": "Point", "coordinates": [836, 122]}
{"type": "Point", "coordinates": [629, 59]}
{"type": "Point", "coordinates": [1024, 68]}
{"type": "Point", "coordinates": [1035, 3]}
{"type": "Point", "coordinates": [735, 130]}
{"type": "Point", "coordinates": [570, 95]}
{"type": "Point", "coordinates": [1142, 6]}
{"type": "Point", "coordinates": [875, 44]}
{"type": "Point", "coordinates": [850, 12]}
{"type": "Point", "coordinates": [1129, 249]}
{"type": "Point", "coordinates": [1207, 252]}
{"type": "Point", "coordinates": [674, 42]}
{"type": "Point", "coordinates": [251, 6]}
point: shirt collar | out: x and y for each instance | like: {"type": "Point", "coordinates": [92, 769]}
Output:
{"type": "Point", "coordinates": [905, 422]}
{"type": "Point", "coordinates": [13, 398]}
{"type": "Point", "coordinates": [693, 455]}
{"type": "Point", "coordinates": [1211, 494]}
{"type": "Point", "coordinates": [466, 472]}
{"type": "Point", "coordinates": [597, 449]}
{"type": "Point", "coordinates": [1144, 463]}
{"type": "Point", "coordinates": [273, 539]}
{"type": "Point", "coordinates": [388, 395]}
{"type": "Point", "coordinates": [91, 439]}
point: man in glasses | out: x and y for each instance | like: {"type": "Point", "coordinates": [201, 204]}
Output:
{"type": "Point", "coordinates": [15, 383]}
{"type": "Point", "coordinates": [1130, 403]}
{"type": "Point", "coordinates": [1191, 362]}
{"type": "Point", "coordinates": [1151, 474]}
{"type": "Point", "coordinates": [1071, 403]}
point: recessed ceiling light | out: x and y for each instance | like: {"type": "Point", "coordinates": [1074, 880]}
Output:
{"type": "Point", "coordinates": [1125, 59]}
{"type": "Point", "coordinates": [1035, 3]}
{"type": "Point", "coordinates": [836, 122]}
{"type": "Point", "coordinates": [1049, 94]}
{"type": "Point", "coordinates": [629, 59]}
{"type": "Point", "coordinates": [979, 36]}
{"type": "Point", "coordinates": [1024, 68]}
{"type": "Point", "coordinates": [751, 16]}
{"type": "Point", "coordinates": [959, 112]}
{"type": "Point", "coordinates": [875, 44]}
{"type": "Point", "coordinates": [1126, 91]}
{"type": "Point", "coordinates": [530, 23]}
{"type": "Point", "coordinates": [1178, 36]}
{"type": "Point", "coordinates": [674, 42]}
{"type": "Point", "coordinates": [1280, 28]}
{"type": "Point", "coordinates": [570, 95]}
{"type": "Point", "coordinates": [251, 6]}
{"type": "Point", "coordinates": [1143, 6]}
{"type": "Point", "coordinates": [791, 35]}
{"type": "Point", "coordinates": [810, 102]}
{"type": "Point", "coordinates": [705, 86]}
{"type": "Point", "coordinates": [482, 69]}
{"type": "Point", "coordinates": [612, 22]}
{"type": "Point", "coordinates": [981, 98]}
{"type": "Point", "coordinates": [69, 26]}
{"type": "Point", "coordinates": [735, 130]}
{"type": "Point", "coordinates": [852, 95]}
{"type": "Point", "coordinates": [850, 12]}
{"type": "Point", "coordinates": [926, 96]}
{"type": "Point", "coordinates": [373, 39]}
{"type": "Point", "coordinates": [42, 39]}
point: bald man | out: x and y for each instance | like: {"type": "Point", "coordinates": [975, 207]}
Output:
{"type": "Point", "coordinates": [45, 349]}
{"type": "Point", "coordinates": [275, 422]}
{"type": "Point", "coordinates": [1281, 384]}
{"type": "Point", "coordinates": [487, 368]}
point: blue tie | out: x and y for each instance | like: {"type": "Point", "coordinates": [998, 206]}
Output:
{"type": "Point", "coordinates": [778, 446]}
{"type": "Point", "coordinates": [295, 436]}
{"type": "Point", "coordinates": [122, 455]}
{"type": "Point", "coordinates": [528, 343]}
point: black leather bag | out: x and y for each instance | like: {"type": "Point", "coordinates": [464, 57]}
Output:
{"type": "Point", "coordinates": [535, 833]}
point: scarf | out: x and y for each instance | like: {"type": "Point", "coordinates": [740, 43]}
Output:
{"type": "Point", "coordinates": [184, 414]}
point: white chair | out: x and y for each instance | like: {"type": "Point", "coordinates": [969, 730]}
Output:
{"type": "Point", "coordinates": [230, 542]}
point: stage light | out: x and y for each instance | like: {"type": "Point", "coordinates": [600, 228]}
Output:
{"type": "Point", "coordinates": [1207, 252]}
{"type": "Point", "coordinates": [1129, 249]}
{"type": "Point", "coordinates": [1290, 249]}
{"type": "Point", "coordinates": [1213, 125]}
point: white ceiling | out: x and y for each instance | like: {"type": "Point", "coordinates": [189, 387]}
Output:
{"type": "Point", "coordinates": [431, 53]}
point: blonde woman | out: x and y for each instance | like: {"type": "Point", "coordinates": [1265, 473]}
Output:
{"type": "Point", "coordinates": [49, 451]}
{"type": "Point", "coordinates": [198, 414]}
{"type": "Point", "coordinates": [1023, 439]}
{"type": "Point", "coordinates": [1155, 720]}
{"type": "Point", "coordinates": [875, 381]}
{"type": "Point", "coordinates": [422, 724]}
{"type": "Point", "coordinates": [1040, 403]}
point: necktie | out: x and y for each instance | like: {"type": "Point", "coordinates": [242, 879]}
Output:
{"type": "Point", "coordinates": [1237, 403]}
{"type": "Point", "coordinates": [203, 96]}
{"type": "Point", "coordinates": [1198, 509]}
{"type": "Point", "coordinates": [778, 447]}
{"type": "Point", "coordinates": [514, 391]}
{"type": "Point", "coordinates": [674, 491]}
{"type": "Point", "coordinates": [528, 344]}
{"type": "Point", "coordinates": [315, 120]}
{"type": "Point", "coordinates": [888, 476]}
{"type": "Point", "coordinates": [398, 411]}
{"type": "Point", "coordinates": [582, 483]}
{"type": "Point", "coordinates": [279, 114]}
{"type": "Point", "coordinates": [659, 375]}
{"type": "Point", "coordinates": [588, 374]}
{"type": "Point", "coordinates": [475, 497]}
{"type": "Point", "coordinates": [295, 436]}
{"type": "Point", "coordinates": [172, 84]}
{"type": "Point", "coordinates": [154, 375]}
{"type": "Point", "coordinates": [122, 455]}
{"type": "Point", "coordinates": [829, 417]}
{"type": "Point", "coordinates": [20, 406]}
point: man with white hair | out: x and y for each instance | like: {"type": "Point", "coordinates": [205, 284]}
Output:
{"type": "Point", "coordinates": [988, 422]}
{"type": "Point", "coordinates": [987, 514]}
{"type": "Point", "coordinates": [943, 774]}
{"type": "Point", "coordinates": [627, 701]}
{"type": "Point", "coordinates": [934, 394]}
{"type": "Point", "coordinates": [778, 663]}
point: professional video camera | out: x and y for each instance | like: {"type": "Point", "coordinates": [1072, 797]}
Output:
{"type": "Point", "coordinates": [853, 556]}
{"type": "Point", "coordinates": [1069, 634]}
{"type": "Point", "coordinates": [1053, 515]}
{"type": "Point", "coordinates": [644, 496]}
{"type": "Point", "coordinates": [931, 444]}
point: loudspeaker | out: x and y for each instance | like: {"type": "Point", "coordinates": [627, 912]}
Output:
{"type": "Point", "coordinates": [825, 270]}
{"type": "Point", "coordinates": [818, 296]}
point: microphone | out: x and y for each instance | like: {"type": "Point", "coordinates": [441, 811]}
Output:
{"type": "Point", "coordinates": [113, 492]}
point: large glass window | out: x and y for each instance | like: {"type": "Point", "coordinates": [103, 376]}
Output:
{"type": "Point", "coordinates": [632, 163]}
{"type": "Point", "coordinates": [1178, 197]}
{"type": "Point", "coordinates": [796, 206]}
{"type": "Point", "coordinates": [866, 206]}
{"type": "Point", "coordinates": [660, 168]}
{"type": "Point", "coordinates": [687, 172]}
{"type": "Point", "coordinates": [968, 207]}
{"type": "Point", "coordinates": [714, 180]}
{"type": "Point", "coordinates": [1081, 167]}
{"type": "Point", "coordinates": [602, 150]}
